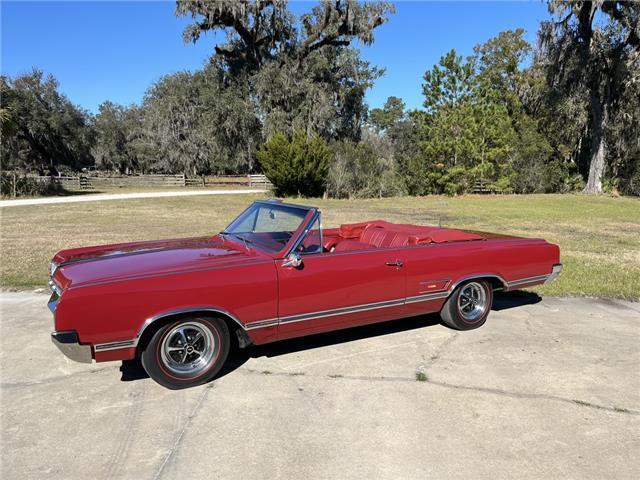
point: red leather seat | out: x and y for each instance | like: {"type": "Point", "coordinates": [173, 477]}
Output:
{"type": "Point", "coordinates": [353, 230]}
{"type": "Point", "coordinates": [373, 235]}
{"type": "Point", "coordinates": [381, 234]}
{"type": "Point", "coordinates": [348, 245]}
{"type": "Point", "coordinates": [400, 239]}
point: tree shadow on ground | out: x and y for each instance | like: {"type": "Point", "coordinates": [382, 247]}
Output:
{"type": "Point", "coordinates": [74, 193]}
{"type": "Point", "coordinates": [133, 370]}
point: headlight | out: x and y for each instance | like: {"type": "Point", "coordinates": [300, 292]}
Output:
{"type": "Point", "coordinates": [53, 266]}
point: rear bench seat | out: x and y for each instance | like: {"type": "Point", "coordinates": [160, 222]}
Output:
{"type": "Point", "coordinates": [379, 236]}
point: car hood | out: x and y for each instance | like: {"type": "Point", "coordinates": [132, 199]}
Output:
{"type": "Point", "coordinates": [106, 263]}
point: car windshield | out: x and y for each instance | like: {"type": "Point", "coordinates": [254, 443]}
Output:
{"type": "Point", "coordinates": [268, 226]}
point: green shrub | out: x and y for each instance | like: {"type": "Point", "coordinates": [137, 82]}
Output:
{"type": "Point", "coordinates": [502, 185]}
{"type": "Point", "coordinates": [561, 177]}
{"type": "Point", "coordinates": [364, 170]}
{"type": "Point", "coordinates": [629, 180]}
{"type": "Point", "coordinates": [297, 165]}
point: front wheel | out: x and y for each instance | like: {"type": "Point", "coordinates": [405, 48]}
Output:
{"type": "Point", "coordinates": [468, 306]}
{"type": "Point", "coordinates": [187, 352]}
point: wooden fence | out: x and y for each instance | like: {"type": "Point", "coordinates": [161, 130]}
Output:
{"type": "Point", "coordinates": [90, 182]}
{"type": "Point", "coordinates": [68, 183]}
{"type": "Point", "coordinates": [481, 186]}
{"type": "Point", "coordinates": [259, 181]}
{"type": "Point", "coordinates": [96, 183]}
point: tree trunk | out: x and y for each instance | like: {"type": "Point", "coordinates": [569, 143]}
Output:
{"type": "Point", "coordinates": [598, 145]}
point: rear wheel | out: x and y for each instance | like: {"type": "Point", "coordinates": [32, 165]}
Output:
{"type": "Point", "coordinates": [187, 352]}
{"type": "Point", "coordinates": [468, 306]}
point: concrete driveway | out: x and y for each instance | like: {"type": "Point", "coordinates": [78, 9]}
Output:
{"type": "Point", "coordinates": [546, 389]}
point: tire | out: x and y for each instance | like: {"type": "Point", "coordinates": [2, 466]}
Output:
{"type": "Point", "coordinates": [461, 313]}
{"type": "Point", "coordinates": [170, 363]}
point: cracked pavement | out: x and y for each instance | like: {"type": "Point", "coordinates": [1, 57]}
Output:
{"type": "Point", "coordinates": [547, 388]}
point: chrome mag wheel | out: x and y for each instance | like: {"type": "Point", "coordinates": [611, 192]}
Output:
{"type": "Point", "coordinates": [188, 349]}
{"type": "Point", "coordinates": [472, 302]}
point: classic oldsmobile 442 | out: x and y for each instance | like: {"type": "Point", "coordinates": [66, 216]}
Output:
{"type": "Point", "coordinates": [274, 273]}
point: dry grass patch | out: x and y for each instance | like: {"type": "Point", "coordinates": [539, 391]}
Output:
{"type": "Point", "coordinates": [599, 236]}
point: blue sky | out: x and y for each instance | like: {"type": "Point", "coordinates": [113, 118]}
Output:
{"type": "Point", "coordinates": [114, 50]}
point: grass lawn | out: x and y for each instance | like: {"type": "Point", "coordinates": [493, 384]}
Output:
{"type": "Point", "coordinates": [599, 237]}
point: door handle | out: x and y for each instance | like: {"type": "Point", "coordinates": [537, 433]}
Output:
{"type": "Point", "coordinates": [397, 264]}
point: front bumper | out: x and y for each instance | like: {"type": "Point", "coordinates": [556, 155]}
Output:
{"type": "Point", "coordinates": [67, 343]}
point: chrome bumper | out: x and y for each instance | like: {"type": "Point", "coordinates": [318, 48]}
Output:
{"type": "Point", "coordinates": [53, 303]}
{"type": "Point", "coordinates": [555, 271]}
{"type": "Point", "coordinates": [67, 343]}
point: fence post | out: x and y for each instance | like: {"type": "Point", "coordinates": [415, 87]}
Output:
{"type": "Point", "coordinates": [249, 176]}
{"type": "Point", "coordinates": [79, 182]}
{"type": "Point", "coordinates": [14, 184]}
{"type": "Point", "coordinates": [184, 180]}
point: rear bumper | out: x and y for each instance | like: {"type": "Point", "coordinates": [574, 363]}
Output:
{"type": "Point", "coordinates": [67, 343]}
{"type": "Point", "coordinates": [537, 280]}
{"type": "Point", "coordinates": [555, 271]}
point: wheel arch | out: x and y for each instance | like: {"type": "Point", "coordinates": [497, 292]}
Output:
{"type": "Point", "coordinates": [497, 282]}
{"type": "Point", "coordinates": [152, 324]}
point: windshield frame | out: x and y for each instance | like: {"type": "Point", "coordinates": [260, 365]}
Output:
{"type": "Point", "coordinates": [311, 214]}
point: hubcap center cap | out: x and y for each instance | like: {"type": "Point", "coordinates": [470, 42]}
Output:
{"type": "Point", "coordinates": [472, 302]}
{"type": "Point", "coordinates": [189, 348]}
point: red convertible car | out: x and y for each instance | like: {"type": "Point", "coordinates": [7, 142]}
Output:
{"type": "Point", "coordinates": [274, 273]}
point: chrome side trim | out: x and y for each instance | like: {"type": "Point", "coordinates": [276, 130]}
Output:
{"type": "Point", "coordinates": [341, 311]}
{"type": "Point", "coordinates": [103, 347]}
{"type": "Point", "coordinates": [528, 280]}
{"type": "Point", "coordinates": [269, 322]}
{"type": "Point", "coordinates": [364, 307]}
{"type": "Point", "coordinates": [428, 297]}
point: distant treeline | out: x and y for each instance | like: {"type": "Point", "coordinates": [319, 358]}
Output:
{"type": "Point", "coordinates": [285, 95]}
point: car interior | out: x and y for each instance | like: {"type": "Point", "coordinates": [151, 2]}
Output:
{"type": "Point", "coordinates": [380, 234]}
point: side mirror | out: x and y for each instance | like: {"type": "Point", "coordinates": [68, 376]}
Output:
{"type": "Point", "coordinates": [292, 260]}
